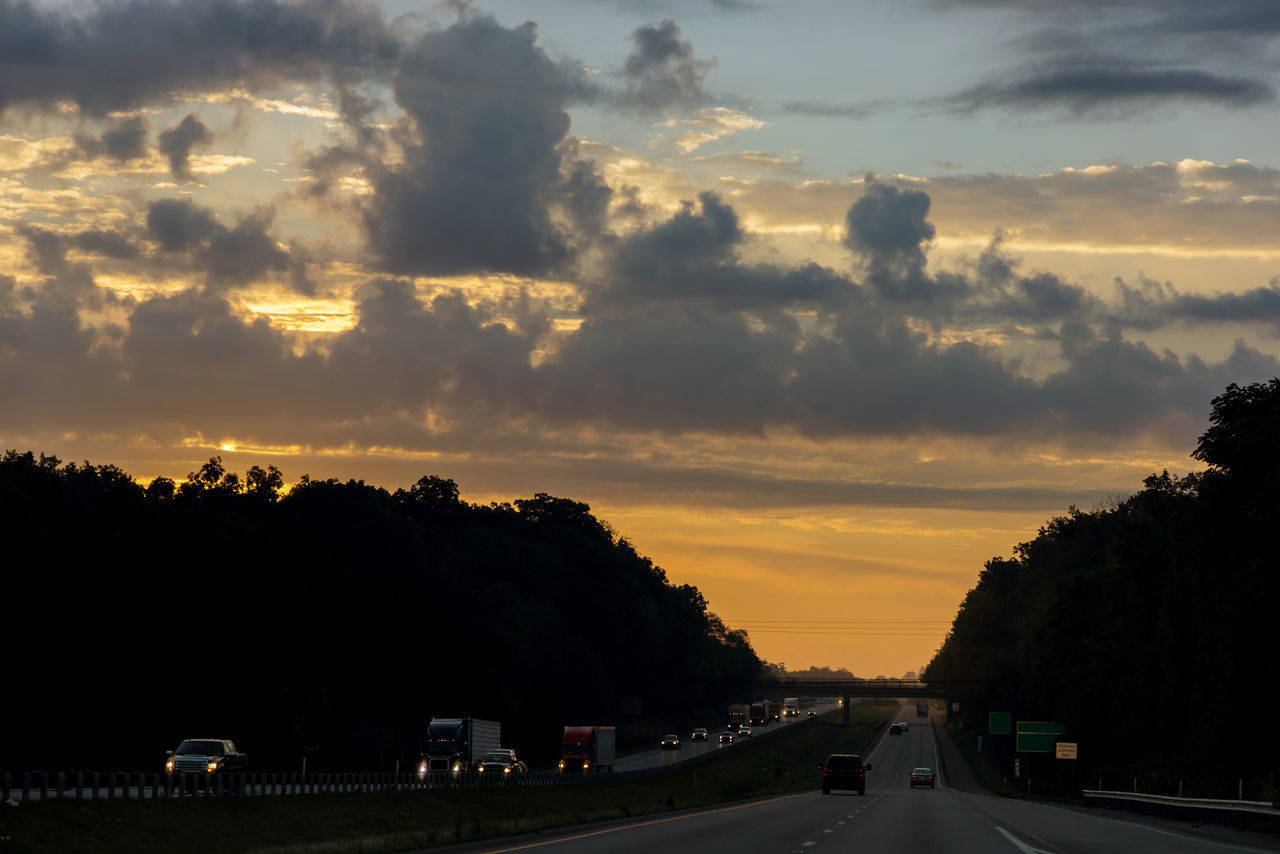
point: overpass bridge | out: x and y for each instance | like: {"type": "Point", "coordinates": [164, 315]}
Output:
{"type": "Point", "coordinates": [845, 689]}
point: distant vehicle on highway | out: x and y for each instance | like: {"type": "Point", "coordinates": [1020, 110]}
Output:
{"type": "Point", "coordinates": [205, 756]}
{"type": "Point", "coordinates": [844, 771]}
{"type": "Point", "coordinates": [897, 728]}
{"type": "Point", "coordinates": [699, 734]}
{"type": "Point", "coordinates": [588, 748]}
{"type": "Point", "coordinates": [737, 715]}
{"type": "Point", "coordinates": [501, 762]}
{"type": "Point", "coordinates": [922, 708]}
{"type": "Point", "coordinates": [790, 707]}
{"type": "Point", "coordinates": [813, 713]}
{"type": "Point", "coordinates": [726, 738]}
{"type": "Point", "coordinates": [922, 777]}
{"type": "Point", "coordinates": [670, 741]}
{"type": "Point", "coordinates": [744, 731]}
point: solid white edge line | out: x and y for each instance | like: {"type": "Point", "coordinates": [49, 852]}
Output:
{"type": "Point", "coordinates": [1019, 844]}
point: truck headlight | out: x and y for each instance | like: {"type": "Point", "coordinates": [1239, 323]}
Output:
{"type": "Point", "coordinates": [168, 765]}
{"type": "Point", "coordinates": [211, 767]}
{"type": "Point", "coordinates": [586, 766]}
{"type": "Point", "coordinates": [457, 766]}
{"type": "Point", "coordinates": [422, 769]}
{"type": "Point", "coordinates": [506, 770]}
{"type": "Point", "coordinates": [561, 766]}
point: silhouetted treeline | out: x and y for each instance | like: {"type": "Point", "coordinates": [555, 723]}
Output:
{"type": "Point", "coordinates": [1146, 627]}
{"type": "Point", "coordinates": [333, 619]}
{"type": "Point", "coordinates": [780, 671]}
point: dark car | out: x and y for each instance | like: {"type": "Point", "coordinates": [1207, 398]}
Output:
{"type": "Point", "coordinates": [670, 741]}
{"type": "Point", "coordinates": [813, 713]}
{"type": "Point", "coordinates": [205, 756]}
{"type": "Point", "coordinates": [896, 729]}
{"type": "Point", "coordinates": [699, 734]}
{"type": "Point", "coordinates": [501, 763]}
{"type": "Point", "coordinates": [922, 777]}
{"type": "Point", "coordinates": [726, 738]}
{"type": "Point", "coordinates": [844, 771]}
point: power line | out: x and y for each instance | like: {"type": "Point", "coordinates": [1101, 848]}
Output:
{"type": "Point", "coordinates": [889, 633]}
{"type": "Point", "coordinates": [851, 622]}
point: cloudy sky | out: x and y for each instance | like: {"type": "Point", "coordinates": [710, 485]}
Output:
{"type": "Point", "coordinates": [821, 303]}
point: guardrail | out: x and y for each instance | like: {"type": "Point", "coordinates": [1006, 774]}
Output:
{"type": "Point", "coordinates": [99, 785]}
{"type": "Point", "coordinates": [1229, 812]}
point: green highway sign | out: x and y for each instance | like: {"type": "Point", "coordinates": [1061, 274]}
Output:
{"type": "Point", "coordinates": [1038, 736]}
{"type": "Point", "coordinates": [999, 723]}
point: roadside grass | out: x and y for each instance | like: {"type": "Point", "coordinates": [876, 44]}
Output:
{"type": "Point", "coordinates": [384, 822]}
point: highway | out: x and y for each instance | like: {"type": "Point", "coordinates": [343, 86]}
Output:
{"type": "Point", "coordinates": [891, 817]}
{"type": "Point", "coordinates": [688, 748]}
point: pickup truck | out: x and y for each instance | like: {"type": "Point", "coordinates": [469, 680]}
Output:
{"type": "Point", "coordinates": [205, 756]}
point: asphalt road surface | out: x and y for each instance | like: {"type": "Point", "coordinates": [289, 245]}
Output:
{"type": "Point", "coordinates": [688, 748]}
{"type": "Point", "coordinates": [891, 817]}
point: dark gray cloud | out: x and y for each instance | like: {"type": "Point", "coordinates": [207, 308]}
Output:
{"type": "Point", "coordinates": [229, 257]}
{"type": "Point", "coordinates": [662, 71]}
{"type": "Point", "coordinates": [244, 253]}
{"type": "Point", "coordinates": [669, 368]}
{"type": "Point", "coordinates": [1249, 18]}
{"type": "Point", "coordinates": [179, 224]}
{"type": "Point", "coordinates": [127, 138]}
{"type": "Point", "coordinates": [831, 111]}
{"type": "Point", "coordinates": [444, 355]}
{"type": "Point", "coordinates": [487, 158]}
{"type": "Point", "coordinates": [693, 257]}
{"type": "Point", "coordinates": [1113, 385]}
{"type": "Point", "coordinates": [122, 140]}
{"type": "Point", "coordinates": [176, 144]}
{"type": "Point", "coordinates": [1113, 58]}
{"type": "Point", "coordinates": [108, 243]}
{"type": "Point", "coordinates": [888, 229]}
{"type": "Point", "coordinates": [67, 286]}
{"type": "Point", "coordinates": [107, 56]}
{"type": "Point", "coordinates": [1110, 89]}
{"type": "Point", "coordinates": [1150, 304]}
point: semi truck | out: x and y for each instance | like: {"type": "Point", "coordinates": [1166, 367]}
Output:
{"type": "Point", "coordinates": [759, 714]}
{"type": "Point", "coordinates": [588, 748]}
{"type": "Point", "coordinates": [922, 708]}
{"type": "Point", "coordinates": [774, 710]}
{"type": "Point", "coordinates": [791, 707]}
{"type": "Point", "coordinates": [457, 744]}
{"type": "Point", "coordinates": [737, 716]}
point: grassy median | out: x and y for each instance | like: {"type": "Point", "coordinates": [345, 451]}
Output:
{"type": "Point", "coordinates": [398, 821]}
